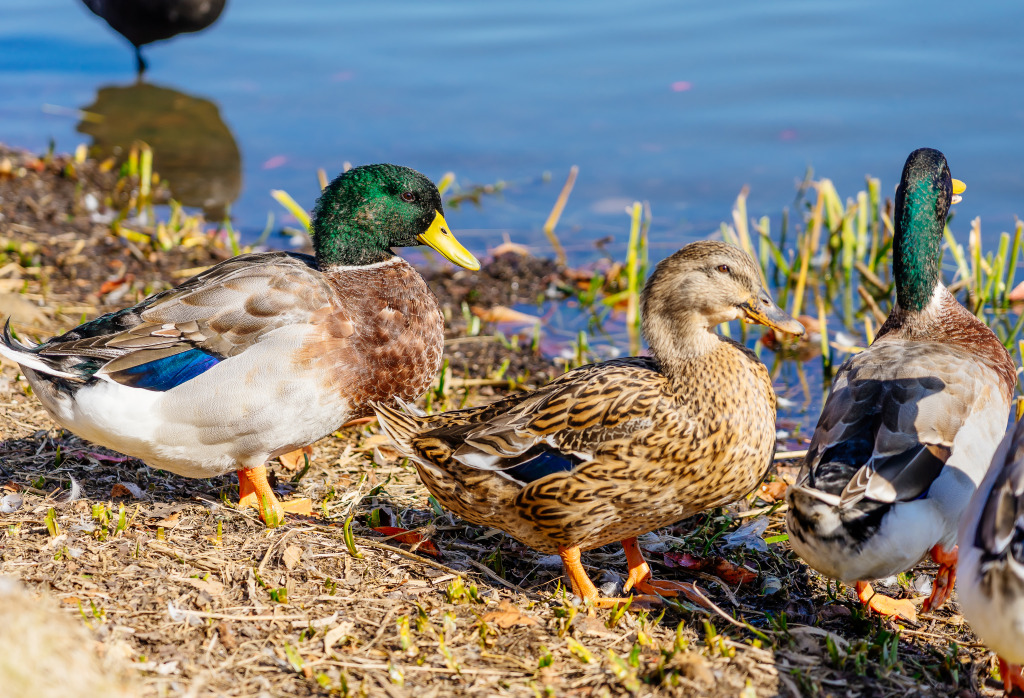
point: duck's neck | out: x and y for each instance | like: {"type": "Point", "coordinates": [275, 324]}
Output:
{"type": "Point", "coordinates": [681, 342]}
{"type": "Point", "coordinates": [916, 247]}
{"type": "Point", "coordinates": [350, 246]}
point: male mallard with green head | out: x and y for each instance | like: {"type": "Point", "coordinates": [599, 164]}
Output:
{"type": "Point", "coordinates": [609, 451]}
{"type": "Point", "coordinates": [990, 584]}
{"type": "Point", "coordinates": [912, 422]}
{"type": "Point", "coordinates": [262, 353]}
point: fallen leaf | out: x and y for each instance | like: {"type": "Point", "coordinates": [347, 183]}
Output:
{"type": "Point", "coordinates": [227, 636]}
{"type": "Point", "coordinates": [788, 473]}
{"type": "Point", "coordinates": [168, 522]}
{"type": "Point", "coordinates": [833, 611]}
{"type": "Point", "coordinates": [508, 616]}
{"type": "Point", "coordinates": [121, 489]}
{"type": "Point", "coordinates": [750, 535]}
{"type": "Point", "coordinates": [375, 441]}
{"type": "Point", "coordinates": [210, 586]}
{"type": "Point", "coordinates": [109, 286]}
{"type": "Point", "coordinates": [295, 459]}
{"type": "Point", "coordinates": [685, 560]}
{"type": "Point", "coordinates": [501, 313]}
{"type": "Point", "coordinates": [772, 491]}
{"type": "Point", "coordinates": [292, 555]}
{"type": "Point", "coordinates": [731, 573]}
{"type": "Point", "coordinates": [411, 538]}
{"type": "Point", "coordinates": [334, 635]}
{"type": "Point", "coordinates": [303, 506]}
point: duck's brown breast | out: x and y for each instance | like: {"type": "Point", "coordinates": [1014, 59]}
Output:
{"type": "Point", "coordinates": [382, 337]}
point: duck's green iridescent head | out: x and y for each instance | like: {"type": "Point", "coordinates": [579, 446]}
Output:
{"type": "Point", "coordinates": [923, 199]}
{"type": "Point", "coordinates": [368, 210]}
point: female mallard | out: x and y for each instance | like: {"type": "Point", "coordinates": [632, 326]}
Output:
{"type": "Point", "coordinates": [609, 451]}
{"type": "Point", "coordinates": [991, 542]}
{"type": "Point", "coordinates": [912, 421]}
{"type": "Point", "coordinates": [263, 353]}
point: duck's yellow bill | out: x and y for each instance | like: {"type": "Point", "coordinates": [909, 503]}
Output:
{"type": "Point", "coordinates": [762, 309]}
{"type": "Point", "coordinates": [440, 238]}
{"type": "Point", "coordinates": [958, 189]}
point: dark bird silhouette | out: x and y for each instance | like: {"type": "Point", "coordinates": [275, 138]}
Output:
{"type": "Point", "coordinates": [145, 21]}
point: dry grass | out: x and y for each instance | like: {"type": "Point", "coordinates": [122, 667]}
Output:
{"type": "Point", "coordinates": [183, 595]}
{"type": "Point", "coordinates": [203, 600]}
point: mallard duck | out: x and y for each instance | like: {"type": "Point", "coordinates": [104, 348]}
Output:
{"type": "Point", "coordinates": [262, 353]}
{"type": "Point", "coordinates": [911, 423]}
{"type": "Point", "coordinates": [145, 21]}
{"type": "Point", "coordinates": [991, 541]}
{"type": "Point", "coordinates": [612, 450]}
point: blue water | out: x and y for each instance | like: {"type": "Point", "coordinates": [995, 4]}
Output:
{"type": "Point", "coordinates": [676, 103]}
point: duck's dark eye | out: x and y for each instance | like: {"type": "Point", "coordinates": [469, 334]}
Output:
{"type": "Point", "coordinates": [408, 196]}
{"type": "Point", "coordinates": [724, 268]}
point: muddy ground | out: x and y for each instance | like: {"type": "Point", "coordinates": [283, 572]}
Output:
{"type": "Point", "coordinates": [180, 594]}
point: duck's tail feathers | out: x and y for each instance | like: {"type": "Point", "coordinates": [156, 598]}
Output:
{"type": "Point", "coordinates": [400, 425]}
{"type": "Point", "coordinates": [803, 495]}
{"type": "Point", "coordinates": [24, 356]}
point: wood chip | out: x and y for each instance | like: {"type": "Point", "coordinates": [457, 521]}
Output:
{"type": "Point", "coordinates": [292, 555]}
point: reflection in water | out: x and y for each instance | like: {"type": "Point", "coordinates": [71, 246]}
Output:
{"type": "Point", "coordinates": [145, 21]}
{"type": "Point", "coordinates": [193, 149]}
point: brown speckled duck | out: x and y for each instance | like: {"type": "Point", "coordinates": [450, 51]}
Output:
{"type": "Point", "coordinates": [613, 450]}
{"type": "Point", "coordinates": [263, 353]}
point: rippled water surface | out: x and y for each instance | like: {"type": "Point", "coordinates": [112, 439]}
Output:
{"type": "Point", "coordinates": [676, 103]}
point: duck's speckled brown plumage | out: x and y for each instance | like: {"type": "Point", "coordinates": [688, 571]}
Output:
{"type": "Point", "coordinates": [650, 440]}
{"type": "Point", "coordinates": [658, 452]}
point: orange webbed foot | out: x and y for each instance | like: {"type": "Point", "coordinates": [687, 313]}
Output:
{"type": "Point", "coordinates": [945, 578]}
{"type": "Point", "coordinates": [640, 578]}
{"type": "Point", "coordinates": [254, 491]}
{"type": "Point", "coordinates": [885, 605]}
{"type": "Point", "coordinates": [582, 587]}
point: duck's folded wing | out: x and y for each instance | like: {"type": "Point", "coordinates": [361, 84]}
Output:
{"type": "Point", "coordinates": [888, 429]}
{"type": "Point", "coordinates": [567, 421]}
{"type": "Point", "coordinates": [175, 335]}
